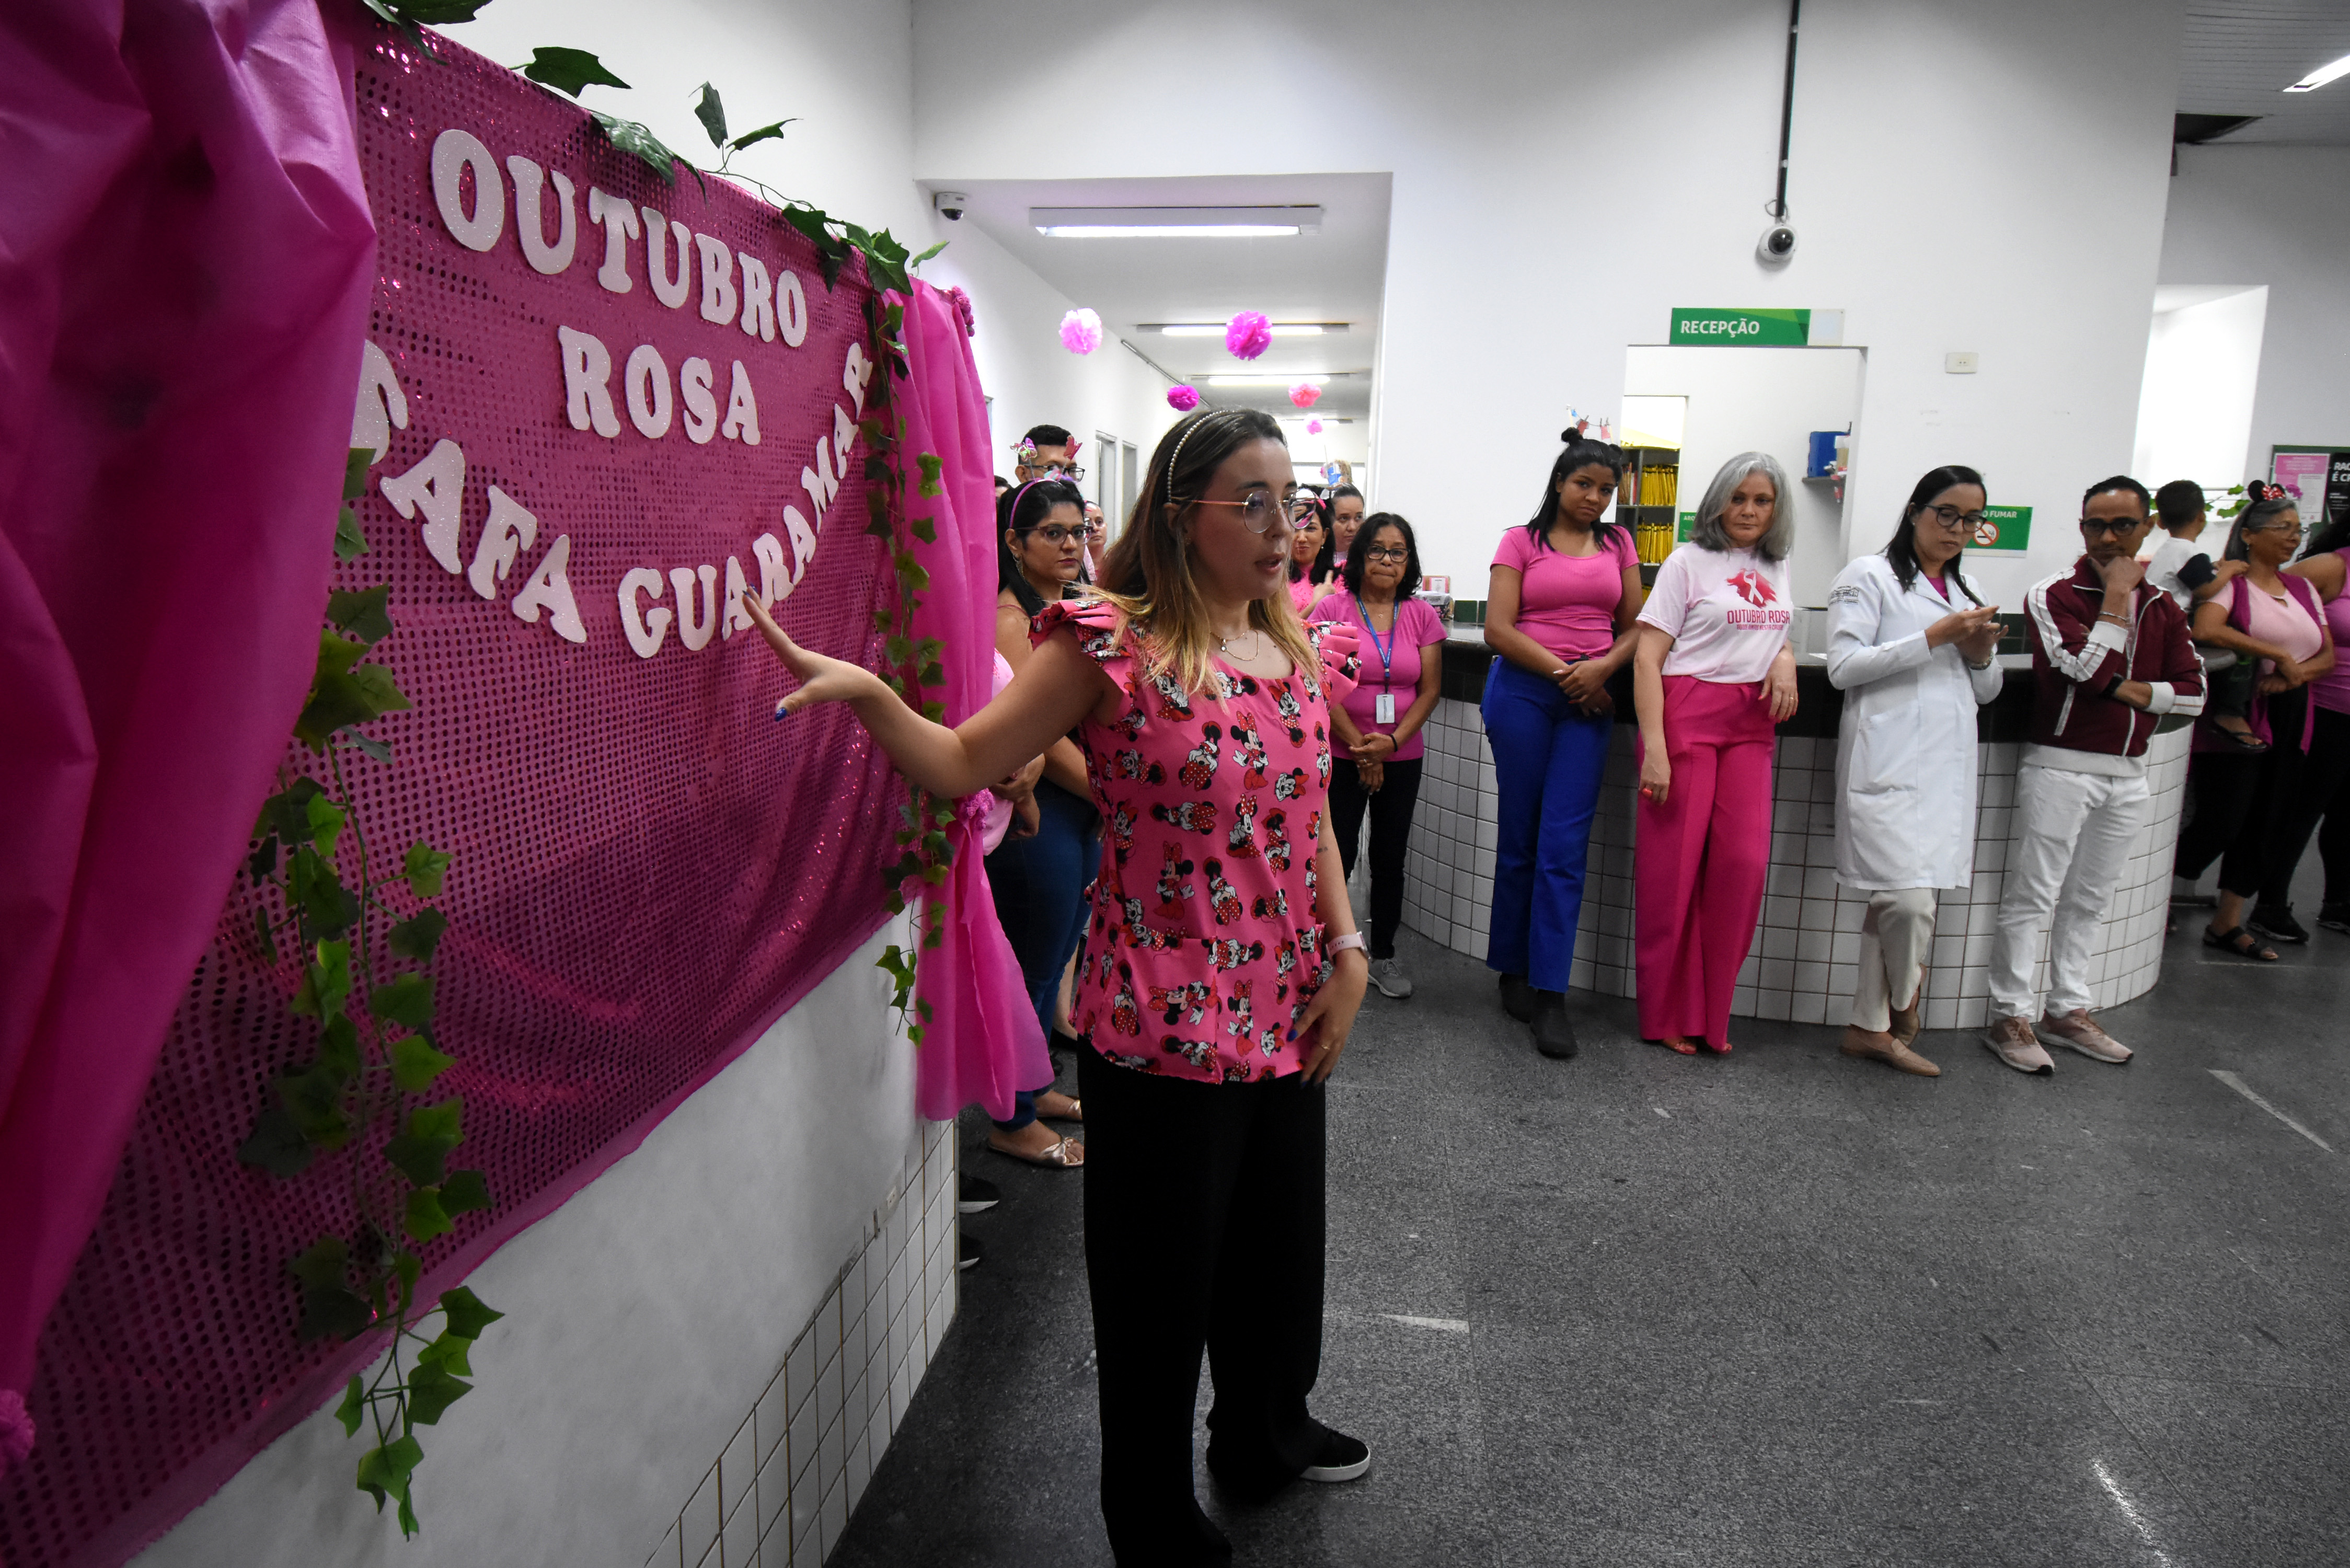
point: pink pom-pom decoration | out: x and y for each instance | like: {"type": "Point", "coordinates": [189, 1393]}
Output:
{"type": "Point", "coordinates": [15, 1430]}
{"type": "Point", "coordinates": [961, 302]}
{"type": "Point", "coordinates": [1304, 394]}
{"type": "Point", "coordinates": [1081, 331]}
{"type": "Point", "coordinates": [1248, 334]}
{"type": "Point", "coordinates": [1312, 427]}
{"type": "Point", "coordinates": [1183, 398]}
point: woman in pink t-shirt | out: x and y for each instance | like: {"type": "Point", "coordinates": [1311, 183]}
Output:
{"type": "Point", "coordinates": [1712, 679]}
{"type": "Point", "coordinates": [1311, 579]}
{"type": "Point", "coordinates": [1558, 617]}
{"type": "Point", "coordinates": [1379, 720]}
{"type": "Point", "coordinates": [2324, 792]}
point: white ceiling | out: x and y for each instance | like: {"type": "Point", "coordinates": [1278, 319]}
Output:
{"type": "Point", "coordinates": [2241, 55]}
{"type": "Point", "coordinates": [1335, 275]}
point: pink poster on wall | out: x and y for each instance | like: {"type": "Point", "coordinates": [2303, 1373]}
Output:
{"type": "Point", "coordinates": [2301, 472]}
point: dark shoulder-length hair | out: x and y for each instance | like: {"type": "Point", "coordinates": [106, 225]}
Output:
{"type": "Point", "coordinates": [1902, 549]}
{"type": "Point", "coordinates": [1581, 452]}
{"type": "Point", "coordinates": [1318, 571]}
{"type": "Point", "coordinates": [1363, 536]}
{"type": "Point", "coordinates": [1020, 511]}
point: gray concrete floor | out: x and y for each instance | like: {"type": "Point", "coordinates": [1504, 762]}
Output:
{"type": "Point", "coordinates": [1782, 1308]}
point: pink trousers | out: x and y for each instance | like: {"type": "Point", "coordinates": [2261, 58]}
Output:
{"type": "Point", "coordinates": [1700, 860]}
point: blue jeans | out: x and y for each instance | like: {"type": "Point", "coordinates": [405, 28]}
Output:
{"type": "Point", "coordinates": [1548, 760]}
{"type": "Point", "coordinates": [1039, 885]}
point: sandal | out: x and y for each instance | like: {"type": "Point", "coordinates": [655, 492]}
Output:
{"type": "Point", "coordinates": [2239, 942]}
{"type": "Point", "coordinates": [1678, 1047]}
{"type": "Point", "coordinates": [2243, 739]}
{"type": "Point", "coordinates": [1714, 1050]}
{"type": "Point", "coordinates": [1075, 1112]}
{"type": "Point", "coordinates": [1054, 1155]}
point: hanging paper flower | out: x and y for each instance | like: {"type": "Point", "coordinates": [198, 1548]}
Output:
{"type": "Point", "coordinates": [1312, 427]}
{"type": "Point", "coordinates": [1304, 394]}
{"type": "Point", "coordinates": [1248, 334]}
{"type": "Point", "coordinates": [961, 303]}
{"type": "Point", "coordinates": [1081, 331]}
{"type": "Point", "coordinates": [1182, 398]}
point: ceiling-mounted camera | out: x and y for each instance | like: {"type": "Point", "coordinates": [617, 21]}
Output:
{"type": "Point", "coordinates": [950, 205]}
{"type": "Point", "coordinates": [1777, 244]}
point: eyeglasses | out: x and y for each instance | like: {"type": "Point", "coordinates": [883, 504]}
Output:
{"type": "Point", "coordinates": [1258, 512]}
{"type": "Point", "coordinates": [2114, 525]}
{"type": "Point", "coordinates": [2290, 535]}
{"type": "Point", "coordinates": [1951, 517]}
{"type": "Point", "coordinates": [1386, 552]}
{"type": "Point", "coordinates": [1054, 534]}
{"type": "Point", "coordinates": [1072, 472]}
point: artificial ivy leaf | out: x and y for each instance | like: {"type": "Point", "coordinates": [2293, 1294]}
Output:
{"type": "Point", "coordinates": [879, 528]}
{"type": "Point", "coordinates": [438, 12]}
{"type": "Point", "coordinates": [900, 650]}
{"type": "Point", "coordinates": [764, 134]}
{"type": "Point", "coordinates": [276, 1144]}
{"type": "Point", "coordinates": [466, 1315]}
{"type": "Point", "coordinates": [362, 612]}
{"type": "Point", "coordinates": [415, 1063]}
{"type": "Point", "coordinates": [407, 1267]}
{"type": "Point", "coordinates": [407, 999]}
{"type": "Point", "coordinates": [425, 1218]}
{"type": "Point", "coordinates": [926, 529]}
{"type": "Point", "coordinates": [931, 675]}
{"type": "Point", "coordinates": [381, 692]}
{"type": "Point", "coordinates": [356, 464]}
{"type": "Point", "coordinates": [353, 1407]}
{"type": "Point", "coordinates": [448, 1351]}
{"type": "Point", "coordinates": [287, 813]}
{"type": "Point", "coordinates": [335, 701]}
{"type": "Point", "coordinates": [421, 1149]}
{"type": "Point", "coordinates": [409, 1528]}
{"type": "Point", "coordinates": [877, 469]}
{"type": "Point", "coordinates": [313, 1098]}
{"type": "Point", "coordinates": [432, 1389]}
{"type": "Point", "coordinates": [261, 921]}
{"type": "Point", "coordinates": [418, 936]}
{"type": "Point", "coordinates": [385, 1471]}
{"type": "Point", "coordinates": [708, 110]}
{"type": "Point", "coordinates": [929, 464]}
{"type": "Point", "coordinates": [332, 1311]}
{"type": "Point", "coordinates": [322, 1264]}
{"type": "Point", "coordinates": [626, 136]}
{"type": "Point", "coordinates": [353, 740]}
{"type": "Point", "coordinates": [339, 1047]}
{"type": "Point", "coordinates": [319, 894]}
{"type": "Point", "coordinates": [463, 1192]}
{"type": "Point", "coordinates": [337, 654]}
{"type": "Point", "coordinates": [263, 860]}
{"type": "Point", "coordinates": [424, 869]}
{"type": "Point", "coordinates": [568, 70]}
{"type": "Point", "coordinates": [926, 256]}
{"type": "Point", "coordinates": [351, 539]}
{"type": "Point", "coordinates": [329, 977]}
{"type": "Point", "coordinates": [326, 820]}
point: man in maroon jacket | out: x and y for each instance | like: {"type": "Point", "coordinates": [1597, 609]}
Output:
{"type": "Point", "coordinates": [2110, 656]}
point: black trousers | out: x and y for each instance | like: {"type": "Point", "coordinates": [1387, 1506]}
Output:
{"type": "Point", "coordinates": [1391, 810]}
{"type": "Point", "coordinates": [1203, 1227]}
{"type": "Point", "coordinates": [2321, 789]}
{"type": "Point", "coordinates": [2241, 801]}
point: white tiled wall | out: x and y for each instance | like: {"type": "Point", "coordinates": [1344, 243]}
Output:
{"type": "Point", "coordinates": [783, 1489]}
{"type": "Point", "coordinates": [1802, 967]}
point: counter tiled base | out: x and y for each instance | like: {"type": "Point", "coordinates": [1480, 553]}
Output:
{"type": "Point", "coordinates": [782, 1491]}
{"type": "Point", "coordinates": [1803, 965]}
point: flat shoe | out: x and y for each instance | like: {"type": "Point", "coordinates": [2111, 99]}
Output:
{"type": "Point", "coordinates": [1054, 1155]}
{"type": "Point", "coordinates": [1075, 1112]}
{"type": "Point", "coordinates": [2240, 942]}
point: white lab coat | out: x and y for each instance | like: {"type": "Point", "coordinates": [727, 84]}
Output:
{"type": "Point", "coordinates": [1905, 768]}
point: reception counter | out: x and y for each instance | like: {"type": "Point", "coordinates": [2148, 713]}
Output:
{"type": "Point", "coordinates": [1802, 967]}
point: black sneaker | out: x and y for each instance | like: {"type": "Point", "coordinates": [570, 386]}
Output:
{"type": "Point", "coordinates": [1554, 1032]}
{"type": "Point", "coordinates": [2335, 918]}
{"type": "Point", "coordinates": [975, 1195]}
{"type": "Point", "coordinates": [2276, 921]}
{"type": "Point", "coordinates": [1340, 1458]}
{"type": "Point", "coordinates": [966, 1253]}
{"type": "Point", "coordinates": [1517, 998]}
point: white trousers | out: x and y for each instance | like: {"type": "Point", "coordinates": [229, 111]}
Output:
{"type": "Point", "coordinates": [2072, 835]}
{"type": "Point", "coordinates": [1896, 936]}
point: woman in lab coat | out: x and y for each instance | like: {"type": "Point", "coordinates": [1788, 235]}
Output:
{"type": "Point", "coordinates": [1910, 644]}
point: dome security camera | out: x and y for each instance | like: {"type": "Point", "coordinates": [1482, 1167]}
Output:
{"type": "Point", "coordinates": [1777, 244]}
{"type": "Point", "coordinates": [950, 205]}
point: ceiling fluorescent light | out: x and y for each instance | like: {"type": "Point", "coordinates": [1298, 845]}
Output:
{"type": "Point", "coordinates": [1216, 328]}
{"type": "Point", "coordinates": [2322, 75]}
{"type": "Point", "coordinates": [1289, 380]}
{"type": "Point", "coordinates": [1174, 223]}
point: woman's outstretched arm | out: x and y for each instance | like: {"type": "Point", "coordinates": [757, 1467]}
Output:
{"type": "Point", "coordinates": [1056, 689]}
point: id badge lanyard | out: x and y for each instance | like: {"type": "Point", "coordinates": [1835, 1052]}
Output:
{"type": "Point", "coordinates": [1383, 705]}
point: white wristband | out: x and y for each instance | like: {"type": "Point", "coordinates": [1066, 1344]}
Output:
{"type": "Point", "coordinates": [1338, 945]}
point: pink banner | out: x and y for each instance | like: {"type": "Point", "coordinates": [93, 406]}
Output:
{"type": "Point", "coordinates": [605, 409]}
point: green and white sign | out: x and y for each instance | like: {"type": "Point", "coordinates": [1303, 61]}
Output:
{"type": "Point", "coordinates": [2004, 528]}
{"type": "Point", "coordinates": [1687, 525]}
{"type": "Point", "coordinates": [1741, 328]}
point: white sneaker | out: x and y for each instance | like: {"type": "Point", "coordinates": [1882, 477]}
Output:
{"type": "Point", "coordinates": [1389, 977]}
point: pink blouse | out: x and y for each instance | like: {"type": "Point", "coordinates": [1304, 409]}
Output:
{"type": "Point", "coordinates": [1390, 665]}
{"type": "Point", "coordinates": [1567, 603]}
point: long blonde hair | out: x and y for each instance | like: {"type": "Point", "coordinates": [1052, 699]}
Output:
{"type": "Point", "coordinates": [1149, 572]}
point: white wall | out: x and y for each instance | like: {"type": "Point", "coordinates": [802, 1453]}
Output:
{"type": "Point", "coordinates": [642, 1317]}
{"type": "Point", "coordinates": [2202, 375]}
{"type": "Point", "coordinates": [1988, 178]}
{"type": "Point", "coordinates": [2278, 216]}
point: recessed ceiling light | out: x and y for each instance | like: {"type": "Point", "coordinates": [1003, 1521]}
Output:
{"type": "Point", "coordinates": [1174, 223]}
{"type": "Point", "coordinates": [2322, 75]}
{"type": "Point", "coordinates": [1216, 328]}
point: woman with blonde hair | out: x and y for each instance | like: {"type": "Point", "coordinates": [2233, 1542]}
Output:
{"type": "Point", "coordinates": [1221, 970]}
{"type": "Point", "coordinates": [1711, 680]}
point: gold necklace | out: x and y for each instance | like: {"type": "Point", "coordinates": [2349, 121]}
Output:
{"type": "Point", "coordinates": [1224, 645]}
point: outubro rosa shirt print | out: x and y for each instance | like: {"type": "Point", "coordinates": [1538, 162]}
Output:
{"type": "Point", "coordinates": [1202, 947]}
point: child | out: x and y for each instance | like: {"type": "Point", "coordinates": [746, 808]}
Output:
{"type": "Point", "coordinates": [2183, 569]}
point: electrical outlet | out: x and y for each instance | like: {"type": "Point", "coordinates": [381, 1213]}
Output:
{"type": "Point", "coordinates": [1961, 364]}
